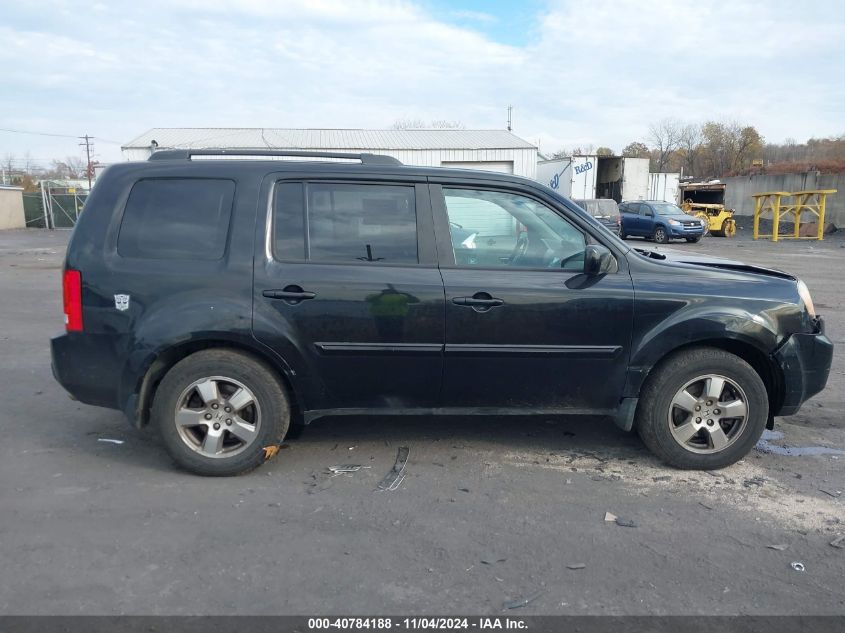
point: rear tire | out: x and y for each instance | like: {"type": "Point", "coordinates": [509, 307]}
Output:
{"type": "Point", "coordinates": [666, 413]}
{"type": "Point", "coordinates": [218, 410]}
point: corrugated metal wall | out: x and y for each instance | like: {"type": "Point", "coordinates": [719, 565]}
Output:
{"type": "Point", "coordinates": [524, 160]}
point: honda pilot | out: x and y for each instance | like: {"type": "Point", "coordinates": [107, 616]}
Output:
{"type": "Point", "coordinates": [231, 301]}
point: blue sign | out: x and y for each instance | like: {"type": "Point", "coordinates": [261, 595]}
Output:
{"type": "Point", "coordinates": [580, 169]}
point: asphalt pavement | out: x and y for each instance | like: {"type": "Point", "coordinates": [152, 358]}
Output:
{"type": "Point", "coordinates": [96, 519]}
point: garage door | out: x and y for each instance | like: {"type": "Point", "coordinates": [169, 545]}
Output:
{"type": "Point", "coordinates": [505, 166]}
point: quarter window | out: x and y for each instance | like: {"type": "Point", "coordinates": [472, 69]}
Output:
{"type": "Point", "coordinates": [494, 228]}
{"type": "Point", "coordinates": [176, 218]}
{"type": "Point", "coordinates": [337, 222]}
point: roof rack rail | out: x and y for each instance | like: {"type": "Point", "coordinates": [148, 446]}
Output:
{"type": "Point", "coordinates": [185, 154]}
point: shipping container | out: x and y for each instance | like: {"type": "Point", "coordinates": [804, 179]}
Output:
{"type": "Point", "coordinates": [572, 176]}
{"type": "Point", "coordinates": [664, 186]}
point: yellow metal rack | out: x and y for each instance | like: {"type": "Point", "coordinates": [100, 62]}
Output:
{"type": "Point", "coordinates": [811, 201]}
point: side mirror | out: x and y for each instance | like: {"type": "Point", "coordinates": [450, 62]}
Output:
{"type": "Point", "coordinates": [598, 260]}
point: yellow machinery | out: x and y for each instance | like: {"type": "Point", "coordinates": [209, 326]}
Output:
{"type": "Point", "coordinates": [706, 200]}
{"type": "Point", "coordinates": [811, 202]}
{"type": "Point", "coordinates": [717, 219]}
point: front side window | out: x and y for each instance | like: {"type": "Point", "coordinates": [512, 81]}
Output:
{"type": "Point", "coordinates": [338, 222]}
{"type": "Point", "coordinates": [499, 229]}
{"type": "Point", "coordinates": [176, 218]}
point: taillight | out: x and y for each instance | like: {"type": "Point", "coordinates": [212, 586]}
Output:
{"type": "Point", "coordinates": [72, 294]}
{"type": "Point", "coordinates": [618, 220]}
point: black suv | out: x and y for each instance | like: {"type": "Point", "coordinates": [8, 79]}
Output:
{"type": "Point", "coordinates": [230, 299]}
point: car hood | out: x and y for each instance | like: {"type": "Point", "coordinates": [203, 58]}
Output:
{"type": "Point", "coordinates": [695, 259]}
{"type": "Point", "coordinates": [682, 218]}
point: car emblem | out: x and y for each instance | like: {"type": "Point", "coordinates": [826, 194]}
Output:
{"type": "Point", "coordinates": [121, 302]}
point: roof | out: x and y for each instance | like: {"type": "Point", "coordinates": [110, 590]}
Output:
{"type": "Point", "coordinates": [283, 138]}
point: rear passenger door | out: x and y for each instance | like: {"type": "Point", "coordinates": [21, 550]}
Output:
{"type": "Point", "coordinates": [348, 292]}
{"type": "Point", "coordinates": [631, 218]}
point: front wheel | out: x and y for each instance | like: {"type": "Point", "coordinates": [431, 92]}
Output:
{"type": "Point", "coordinates": [693, 240]}
{"type": "Point", "coordinates": [219, 411]}
{"type": "Point", "coordinates": [702, 409]}
{"type": "Point", "coordinates": [660, 235]}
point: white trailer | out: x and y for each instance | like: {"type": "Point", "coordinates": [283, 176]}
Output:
{"type": "Point", "coordinates": [664, 186]}
{"type": "Point", "coordinates": [572, 176]}
{"type": "Point", "coordinates": [587, 177]}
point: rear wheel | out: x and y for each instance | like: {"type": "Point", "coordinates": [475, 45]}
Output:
{"type": "Point", "coordinates": [218, 410]}
{"type": "Point", "coordinates": [702, 409]}
{"type": "Point", "coordinates": [660, 235]}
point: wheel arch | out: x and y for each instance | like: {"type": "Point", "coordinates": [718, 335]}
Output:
{"type": "Point", "coordinates": [139, 403]}
{"type": "Point", "coordinates": [760, 361]}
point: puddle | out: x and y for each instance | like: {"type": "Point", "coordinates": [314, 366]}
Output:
{"type": "Point", "coordinates": [765, 446]}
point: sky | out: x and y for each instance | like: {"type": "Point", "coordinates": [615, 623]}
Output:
{"type": "Point", "coordinates": [583, 72]}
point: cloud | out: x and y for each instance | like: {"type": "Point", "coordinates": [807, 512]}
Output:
{"type": "Point", "coordinates": [594, 73]}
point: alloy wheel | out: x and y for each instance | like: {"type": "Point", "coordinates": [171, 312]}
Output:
{"type": "Point", "coordinates": [708, 414]}
{"type": "Point", "coordinates": [217, 416]}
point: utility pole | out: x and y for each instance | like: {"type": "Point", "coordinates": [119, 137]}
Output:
{"type": "Point", "coordinates": [88, 168]}
{"type": "Point", "coordinates": [510, 112]}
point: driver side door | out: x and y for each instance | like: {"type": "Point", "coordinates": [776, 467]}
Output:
{"type": "Point", "coordinates": [525, 327]}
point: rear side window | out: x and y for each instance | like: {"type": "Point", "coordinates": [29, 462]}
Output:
{"type": "Point", "coordinates": [176, 218]}
{"type": "Point", "coordinates": [338, 222]}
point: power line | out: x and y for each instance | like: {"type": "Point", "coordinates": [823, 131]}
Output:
{"type": "Point", "coordinates": [104, 140]}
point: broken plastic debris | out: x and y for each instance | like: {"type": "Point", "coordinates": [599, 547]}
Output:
{"type": "Point", "coordinates": [345, 468]}
{"type": "Point", "coordinates": [779, 547]}
{"type": "Point", "coordinates": [394, 478]}
{"type": "Point", "coordinates": [839, 542]}
{"type": "Point", "coordinates": [576, 566]}
{"type": "Point", "coordinates": [109, 440]}
{"type": "Point", "coordinates": [270, 452]}
{"type": "Point", "coordinates": [625, 522]}
{"type": "Point", "coordinates": [516, 604]}
{"type": "Point", "coordinates": [609, 517]}
{"type": "Point", "coordinates": [797, 566]}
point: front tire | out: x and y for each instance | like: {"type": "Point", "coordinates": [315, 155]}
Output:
{"type": "Point", "coordinates": [660, 235]}
{"type": "Point", "coordinates": [702, 409]}
{"type": "Point", "coordinates": [218, 410]}
{"type": "Point", "coordinates": [694, 240]}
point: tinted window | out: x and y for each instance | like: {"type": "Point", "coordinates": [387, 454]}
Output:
{"type": "Point", "coordinates": [494, 228]}
{"type": "Point", "coordinates": [346, 223]}
{"type": "Point", "coordinates": [175, 218]}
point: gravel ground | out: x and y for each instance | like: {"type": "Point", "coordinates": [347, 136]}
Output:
{"type": "Point", "coordinates": [491, 510]}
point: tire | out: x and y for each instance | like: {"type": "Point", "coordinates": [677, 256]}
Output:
{"type": "Point", "coordinates": [244, 400]}
{"type": "Point", "coordinates": [662, 423]}
{"type": "Point", "coordinates": [622, 234]}
{"type": "Point", "coordinates": [660, 235]}
{"type": "Point", "coordinates": [694, 240]}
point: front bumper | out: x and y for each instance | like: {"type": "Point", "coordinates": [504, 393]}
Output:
{"type": "Point", "coordinates": [686, 231]}
{"type": "Point", "coordinates": [805, 361]}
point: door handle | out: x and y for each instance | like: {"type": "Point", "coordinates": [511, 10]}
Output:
{"type": "Point", "coordinates": [472, 301]}
{"type": "Point", "coordinates": [480, 301]}
{"type": "Point", "coordinates": [290, 294]}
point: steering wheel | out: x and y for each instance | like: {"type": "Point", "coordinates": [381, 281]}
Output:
{"type": "Point", "coordinates": [519, 249]}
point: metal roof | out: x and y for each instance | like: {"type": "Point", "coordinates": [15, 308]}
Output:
{"type": "Point", "coordinates": [282, 138]}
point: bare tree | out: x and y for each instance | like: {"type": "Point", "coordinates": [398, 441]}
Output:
{"type": "Point", "coordinates": [665, 137]}
{"type": "Point", "coordinates": [71, 168]}
{"type": "Point", "coordinates": [690, 146]}
{"type": "Point", "coordinates": [420, 124]}
{"type": "Point", "coordinates": [8, 165]}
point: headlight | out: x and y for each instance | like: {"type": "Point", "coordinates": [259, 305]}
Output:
{"type": "Point", "coordinates": [804, 293]}
{"type": "Point", "coordinates": [674, 222]}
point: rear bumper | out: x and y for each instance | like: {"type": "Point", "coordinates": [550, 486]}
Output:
{"type": "Point", "coordinates": [805, 362]}
{"type": "Point", "coordinates": [84, 365]}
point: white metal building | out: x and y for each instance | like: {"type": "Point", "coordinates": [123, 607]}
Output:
{"type": "Point", "coordinates": [491, 150]}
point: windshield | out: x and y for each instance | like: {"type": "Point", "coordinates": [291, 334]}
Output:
{"type": "Point", "coordinates": [666, 208]}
